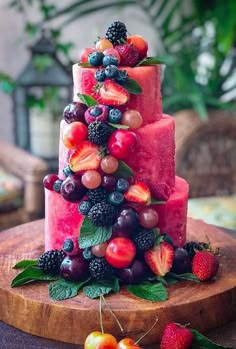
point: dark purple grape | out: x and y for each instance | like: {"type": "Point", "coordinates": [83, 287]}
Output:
{"type": "Point", "coordinates": [127, 220]}
{"type": "Point", "coordinates": [182, 261]}
{"type": "Point", "coordinates": [74, 268]}
{"type": "Point", "coordinates": [75, 112]}
{"type": "Point", "coordinates": [72, 188]}
{"type": "Point", "coordinates": [109, 182]}
{"type": "Point", "coordinates": [134, 274]}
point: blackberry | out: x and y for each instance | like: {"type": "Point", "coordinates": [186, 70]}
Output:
{"type": "Point", "coordinates": [102, 214]}
{"type": "Point", "coordinates": [49, 262]}
{"type": "Point", "coordinates": [144, 239]}
{"type": "Point", "coordinates": [116, 33]}
{"type": "Point", "coordinates": [84, 207]}
{"type": "Point", "coordinates": [192, 246]}
{"type": "Point", "coordinates": [98, 132]}
{"type": "Point", "coordinates": [100, 269]}
{"type": "Point", "coordinates": [97, 195]}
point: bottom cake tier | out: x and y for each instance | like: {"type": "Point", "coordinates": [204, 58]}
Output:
{"type": "Point", "coordinates": [204, 305]}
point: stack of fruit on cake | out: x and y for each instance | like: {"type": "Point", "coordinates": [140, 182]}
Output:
{"type": "Point", "coordinates": [116, 202]}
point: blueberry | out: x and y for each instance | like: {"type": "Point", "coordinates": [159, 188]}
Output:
{"type": "Point", "coordinates": [114, 115]}
{"type": "Point", "coordinates": [116, 198]}
{"type": "Point", "coordinates": [95, 58]}
{"type": "Point", "coordinates": [100, 75]}
{"type": "Point", "coordinates": [88, 254]}
{"type": "Point", "coordinates": [84, 207]}
{"type": "Point", "coordinates": [109, 59]}
{"type": "Point", "coordinates": [122, 185]}
{"type": "Point", "coordinates": [96, 111]}
{"type": "Point", "coordinates": [122, 76]}
{"type": "Point", "coordinates": [57, 185]}
{"type": "Point", "coordinates": [67, 171]}
{"type": "Point", "coordinates": [111, 71]}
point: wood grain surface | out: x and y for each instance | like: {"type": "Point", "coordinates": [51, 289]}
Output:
{"type": "Point", "coordinates": [29, 308]}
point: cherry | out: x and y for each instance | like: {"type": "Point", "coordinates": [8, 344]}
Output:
{"type": "Point", "coordinates": [74, 134]}
{"type": "Point", "coordinates": [74, 268]}
{"type": "Point", "coordinates": [128, 343]}
{"type": "Point", "coordinates": [121, 143]}
{"type": "Point", "coordinates": [120, 252]}
{"type": "Point", "coordinates": [49, 180]}
{"type": "Point", "coordinates": [75, 112]}
{"type": "Point", "coordinates": [100, 340]}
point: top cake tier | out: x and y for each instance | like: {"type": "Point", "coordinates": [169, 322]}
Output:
{"type": "Point", "coordinates": [148, 102]}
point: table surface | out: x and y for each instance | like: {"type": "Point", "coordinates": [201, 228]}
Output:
{"type": "Point", "coordinates": [12, 338]}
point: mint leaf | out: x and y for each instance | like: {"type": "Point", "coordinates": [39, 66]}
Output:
{"type": "Point", "coordinates": [155, 201]}
{"type": "Point", "coordinates": [86, 99]}
{"type": "Point", "coordinates": [91, 235]}
{"type": "Point", "coordinates": [186, 276]}
{"type": "Point", "coordinates": [202, 342]}
{"type": "Point", "coordinates": [123, 170]}
{"type": "Point", "coordinates": [150, 60]}
{"type": "Point", "coordinates": [95, 289]}
{"type": "Point", "coordinates": [132, 86]}
{"type": "Point", "coordinates": [30, 274]}
{"type": "Point", "coordinates": [84, 64]}
{"type": "Point", "coordinates": [25, 263]}
{"type": "Point", "coordinates": [63, 289]}
{"type": "Point", "coordinates": [118, 125]}
{"type": "Point", "coordinates": [151, 292]}
{"type": "Point", "coordinates": [170, 280]}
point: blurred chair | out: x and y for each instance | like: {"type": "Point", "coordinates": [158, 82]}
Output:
{"type": "Point", "coordinates": [21, 187]}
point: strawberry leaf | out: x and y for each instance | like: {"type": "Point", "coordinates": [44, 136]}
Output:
{"type": "Point", "coordinates": [86, 99]}
{"type": "Point", "coordinates": [202, 342]}
{"type": "Point", "coordinates": [118, 125]}
{"type": "Point", "coordinates": [186, 276]}
{"type": "Point", "coordinates": [25, 263]}
{"type": "Point", "coordinates": [95, 289]}
{"type": "Point", "coordinates": [150, 60]}
{"type": "Point", "coordinates": [123, 170]}
{"type": "Point", "coordinates": [91, 235]}
{"type": "Point", "coordinates": [63, 289]}
{"type": "Point", "coordinates": [30, 274]}
{"type": "Point", "coordinates": [132, 86]}
{"type": "Point", "coordinates": [151, 292]}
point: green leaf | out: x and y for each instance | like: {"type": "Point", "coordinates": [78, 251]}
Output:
{"type": "Point", "coordinates": [202, 342]}
{"type": "Point", "coordinates": [95, 289]}
{"type": "Point", "coordinates": [150, 60]}
{"type": "Point", "coordinates": [132, 86]}
{"type": "Point", "coordinates": [170, 280]}
{"type": "Point", "coordinates": [84, 64]}
{"type": "Point", "coordinates": [155, 201]}
{"type": "Point", "coordinates": [30, 274]}
{"type": "Point", "coordinates": [63, 289]}
{"type": "Point", "coordinates": [25, 263]}
{"type": "Point", "coordinates": [151, 292]}
{"type": "Point", "coordinates": [186, 276]}
{"type": "Point", "coordinates": [123, 170]}
{"type": "Point", "coordinates": [7, 84]}
{"type": "Point", "coordinates": [91, 235]}
{"type": "Point", "coordinates": [86, 99]}
{"type": "Point", "coordinates": [118, 125]}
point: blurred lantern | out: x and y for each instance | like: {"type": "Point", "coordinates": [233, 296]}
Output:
{"type": "Point", "coordinates": [42, 90]}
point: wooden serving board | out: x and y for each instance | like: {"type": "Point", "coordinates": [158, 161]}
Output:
{"type": "Point", "coordinates": [29, 308]}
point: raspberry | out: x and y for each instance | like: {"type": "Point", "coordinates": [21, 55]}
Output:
{"type": "Point", "coordinates": [100, 269]}
{"type": "Point", "coordinates": [129, 55]}
{"type": "Point", "coordinates": [49, 262]}
{"type": "Point", "coordinates": [96, 195]}
{"type": "Point", "coordinates": [144, 239]}
{"type": "Point", "coordinates": [116, 32]}
{"type": "Point", "coordinates": [96, 113]}
{"type": "Point", "coordinates": [102, 214]}
{"type": "Point", "coordinates": [98, 132]}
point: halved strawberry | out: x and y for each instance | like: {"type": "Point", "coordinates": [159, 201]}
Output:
{"type": "Point", "coordinates": [138, 192]}
{"type": "Point", "coordinates": [111, 93]}
{"type": "Point", "coordinates": [85, 157]}
{"type": "Point", "coordinates": [160, 258]}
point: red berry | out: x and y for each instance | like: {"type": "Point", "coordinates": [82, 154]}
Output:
{"type": "Point", "coordinates": [129, 55]}
{"type": "Point", "coordinates": [112, 93]}
{"type": "Point", "coordinates": [49, 180]}
{"type": "Point", "coordinates": [74, 134]}
{"type": "Point", "coordinates": [148, 218]}
{"type": "Point", "coordinates": [85, 53]}
{"type": "Point", "coordinates": [121, 143]}
{"type": "Point", "coordinates": [176, 336]}
{"type": "Point", "coordinates": [120, 252]}
{"type": "Point", "coordinates": [85, 157]}
{"type": "Point", "coordinates": [205, 265]}
{"type": "Point", "coordinates": [138, 192]}
{"type": "Point", "coordinates": [160, 258]}
{"type": "Point", "coordinates": [139, 43]}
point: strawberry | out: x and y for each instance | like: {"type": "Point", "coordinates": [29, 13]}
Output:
{"type": "Point", "coordinates": [205, 265]}
{"type": "Point", "coordinates": [160, 258]}
{"type": "Point", "coordinates": [129, 55]}
{"type": "Point", "coordinates": [111, 93]}
{"type": "Point", "coordinates": [138, 192]}
{"type": "Point", "coordinates": [176, 336]}
{"type": "Point", "coordinates": [85, 157]}
{"type": "Point", "coordinates": [140, 44]}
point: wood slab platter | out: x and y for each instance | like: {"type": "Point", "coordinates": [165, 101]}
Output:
{"type": "Point", "coordinates": [29, 308]}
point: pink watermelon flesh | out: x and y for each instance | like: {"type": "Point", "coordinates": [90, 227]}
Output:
{"type": "Point", "coordinates": [62, 219]}
{"type": "Point", "coordinates": [148, 103]}
{"type": "Point", "coordinates": [173, 213]}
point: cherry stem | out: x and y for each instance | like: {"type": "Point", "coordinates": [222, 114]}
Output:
{"type": "Point", "coordinates": [112, 313]}
{"type": "Point", "coordinates": [100, 314]}
{"type": "Point", "coordinates": [146, 333]}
